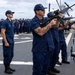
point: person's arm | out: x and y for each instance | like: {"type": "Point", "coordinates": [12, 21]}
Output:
{"type": "Point", "coordinates": [73, 26]}
{"type": "Point", "coordinates": [60, 27]}
{"type": "Point", "coordinates": [65, 26]}
{"type": "Point", "coordinates": [3, 30]}
{"type": "Point", "coordinates": [18, 25]}
{"type": "Point", "coordinates": [41, 31]}
{"type": "Point", "coordinates": [4, 36]}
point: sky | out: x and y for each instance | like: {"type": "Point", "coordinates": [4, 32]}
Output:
{"type": "Point", "coordinates": [24, 8]}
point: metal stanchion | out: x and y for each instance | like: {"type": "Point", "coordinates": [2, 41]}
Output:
{"type": "Point", "coordinates": [73, 41]}
{"type": "Point", "coordinates": [73, 37]}
{"type": "Point", "coordinates": [72, 51]}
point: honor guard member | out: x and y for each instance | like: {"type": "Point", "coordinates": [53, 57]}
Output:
{"type": "Point", "coordinates": [62, 42]}
{"type": "Point", "coordinates": [55, 54]}
{"type": "Point", "coordinates": [7, 31]}
{"type": "Point", "coordinates": [42, 41]}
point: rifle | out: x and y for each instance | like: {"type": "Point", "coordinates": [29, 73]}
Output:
{"type": "Point", "coordinates": [73, 22]}
{"type": "Point", "coordinates": [52, 15]}
{"type": "Point", "coordinates": [46, 22]}
{"type": "Point", "coordinates": [66, 9]}
{"type": "Point", "coordinates": [70, 24]}
{"type": "Point", "coordinates": [67, 18]}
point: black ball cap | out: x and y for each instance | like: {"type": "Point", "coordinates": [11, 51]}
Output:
{"type": "Point", "coordinates": [39, 7]}
{"type": "Point", "coordinates": [9, 12]}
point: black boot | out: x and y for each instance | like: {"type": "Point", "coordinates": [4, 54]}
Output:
{"type": "Point", "coordinates": [7, 70]}
{"type": "Point", "coordinates": [13, 70]}
{"type": "Point", "coordinates": [51, 73]}
{"type": "Point", "coordinates": [65, 62]}
{"type": "Point", "coordinates": [55, 70]}
{"type": "Point", "coordinates": [59, 63]}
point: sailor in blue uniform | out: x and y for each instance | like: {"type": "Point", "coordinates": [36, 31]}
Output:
{"type": "Point", "coordinates": [7, 31]}
{"type": "Point", "coordinates": [55, 54]}
{"type": "Point", "coordinates": [20, 23]}
{"type": "Point", "coordinates": [63, 46]}
{"type": "Point", "coordinates": [25, 26]}
{"type": "Point", "coordinates": [1, 24]}
{"type": "Point", "coordinates": [42, 41]}
{"type": "Point", "coordinates": [16, 27]}
{"type": "Point", "coordinates": [28, 26]}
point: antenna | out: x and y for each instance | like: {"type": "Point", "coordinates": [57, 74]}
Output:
{"type": "Point", "coordinates": [58, 4]}
{"type": "Point", "coordinates": [68, 5]}
{"type": "Point", "coordinates": [49, 7]}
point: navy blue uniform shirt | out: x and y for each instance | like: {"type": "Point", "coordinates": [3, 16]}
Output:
{"type": "Point", "coordinates": [0, 24]}
{"type": "Point", "coordinates": [41, 43]}
{"type": "Point", "coordinates": [16, 24]}
{"type": "Point", "coordinates": [55, 34]}
{"type": "Point", "coordinates": [9, 26]}
{"type": "Point", "coordinates": [61, 35]}
{"type": "Point", "coordinates": [20, 22]}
